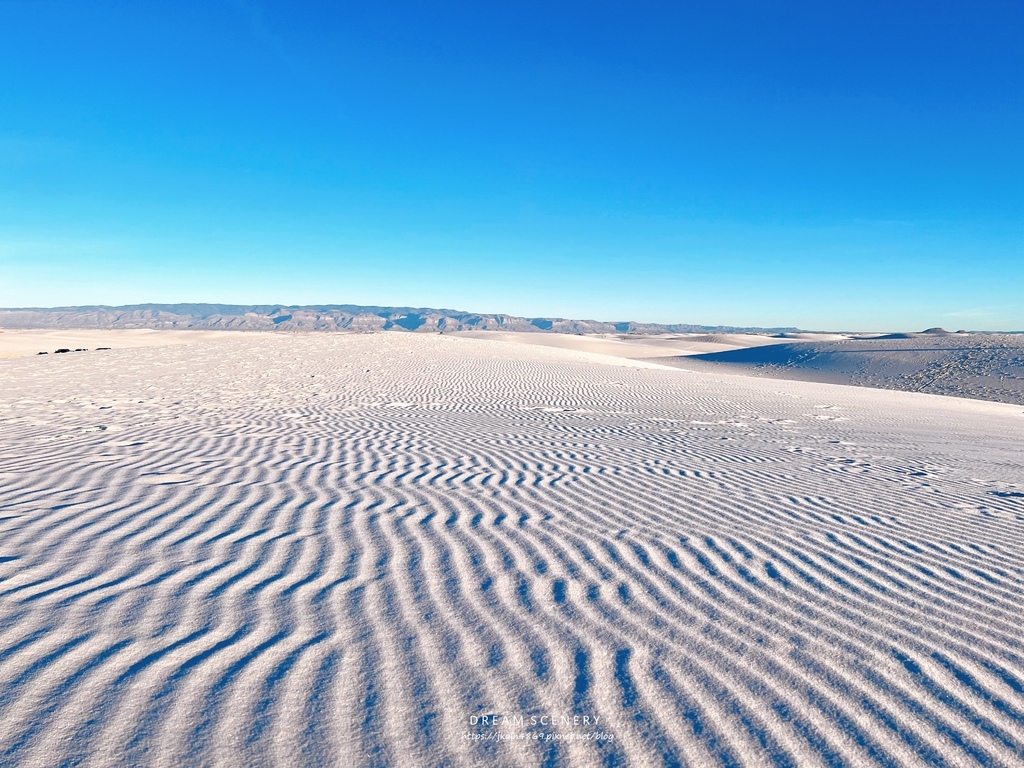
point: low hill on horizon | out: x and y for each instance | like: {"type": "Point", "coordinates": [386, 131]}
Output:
{"type": "Point", "coordinates": [326, 317]}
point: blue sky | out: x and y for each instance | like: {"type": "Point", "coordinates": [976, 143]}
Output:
{"type": "Point", "coordinates": [824, 165]}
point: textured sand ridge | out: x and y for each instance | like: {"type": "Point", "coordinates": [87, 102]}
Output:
{"type": "Point", "coordinates": [347, 550]}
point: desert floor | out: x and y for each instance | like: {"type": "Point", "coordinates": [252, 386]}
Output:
{"type": "Point", "coordinates": [17, 342]}
{"type": "Point", "coordinates": [328, 549]}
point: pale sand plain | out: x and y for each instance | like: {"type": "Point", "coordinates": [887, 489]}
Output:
{"type": "Point", "coordinates": [326, 549]}
{"type": "Point", "coordinates": [18, 342]}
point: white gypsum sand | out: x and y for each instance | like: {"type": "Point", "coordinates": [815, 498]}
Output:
{"type": "Point", "coordinates": [349, 549]}
{"type": "Point", "coordinates": [18, 342]}
{"type": "Point", "coordinates": [634, 346]}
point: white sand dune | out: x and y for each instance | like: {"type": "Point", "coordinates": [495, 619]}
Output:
{"type": "Point", "coordinates": [347, 549]}
{"type": "Point", "coordinates": [15, 342]}
{"type": "Point", "coordinates": [987, 366]}
{"type": "Point", "coordinates": [632, 346]}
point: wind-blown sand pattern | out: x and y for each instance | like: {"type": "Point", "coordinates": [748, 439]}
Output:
{"type": "Point", "coordinates": [338, 549]}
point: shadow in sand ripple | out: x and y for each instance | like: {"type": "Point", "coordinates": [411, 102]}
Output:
{"type": "Point", "coordinates": [338, 549]}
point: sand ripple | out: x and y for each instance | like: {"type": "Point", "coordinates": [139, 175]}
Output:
{"type": "Point", "coordinates": [337, 550]}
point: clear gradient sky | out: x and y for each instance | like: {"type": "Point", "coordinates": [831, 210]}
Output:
{"type": "Point", "coordinates": [853, 165]}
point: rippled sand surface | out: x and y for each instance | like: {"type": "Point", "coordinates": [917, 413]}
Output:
{"type": "Point", "coordinates": [358, 550]}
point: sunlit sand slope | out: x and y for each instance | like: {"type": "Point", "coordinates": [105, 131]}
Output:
{"type": "Point", "coordinates": [347, 550]}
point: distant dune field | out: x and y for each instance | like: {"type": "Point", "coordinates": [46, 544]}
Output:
{"type": "Point", "coordinates": [421, 550]}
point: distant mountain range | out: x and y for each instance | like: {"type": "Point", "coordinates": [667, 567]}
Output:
{"type": "Point", "coordinates": [328, 317]}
